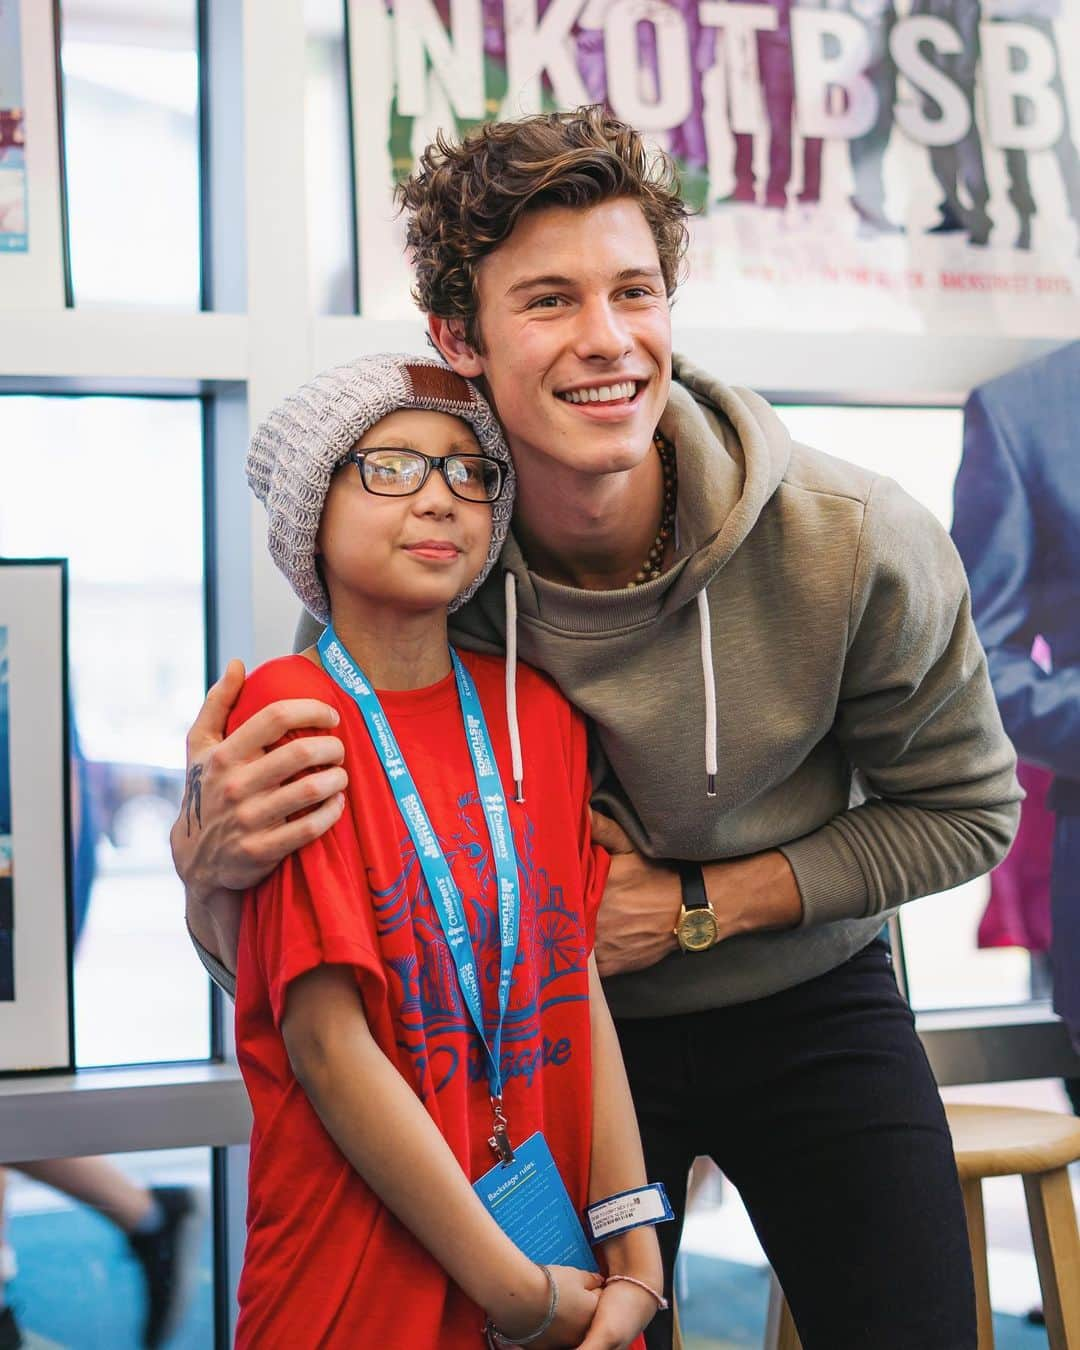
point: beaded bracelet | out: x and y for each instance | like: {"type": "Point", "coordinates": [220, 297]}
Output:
{"type": "Point", "coordinates": [661, 1301]}
{"type": "Point", "coordinates": [499, 1339]}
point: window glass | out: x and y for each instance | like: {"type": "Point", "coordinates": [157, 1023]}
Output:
{"type": "Point", "coordinates": [79, 1278]}
{"type": "Point", "coordinates": [328, 156]}
{"type": "Point", "coordinates": [131, 131]}
{"type": "Point", "coordinates": [920, 448]}
{"type": "Point", "coordinates": [115, 485]}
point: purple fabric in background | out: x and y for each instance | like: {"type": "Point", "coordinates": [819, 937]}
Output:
{"type": "Point", "coordinates": [1018, 911]}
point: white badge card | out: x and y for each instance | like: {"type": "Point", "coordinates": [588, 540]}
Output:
{"type": "Point", "coordinates": [629, 1209]}
{"type": "Point", "coordinates": [529, 1201]}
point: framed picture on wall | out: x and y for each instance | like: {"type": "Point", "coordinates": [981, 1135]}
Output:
{"type": "Point", "coordinates": [33, 273]}
{"type": "Point", "coordinates": [35, 819]}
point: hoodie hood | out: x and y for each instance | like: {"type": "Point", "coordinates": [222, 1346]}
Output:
{"type": "Point", "coordinates": [732, 452]}
{"type": "Point", "coordinates": [721, 496]}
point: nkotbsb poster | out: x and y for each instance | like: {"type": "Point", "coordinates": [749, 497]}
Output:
{"type": "Point", "coordinates": [898, 165]}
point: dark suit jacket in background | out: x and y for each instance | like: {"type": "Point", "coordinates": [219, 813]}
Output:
{"type": "Point", "coordinates": [1017, 526]}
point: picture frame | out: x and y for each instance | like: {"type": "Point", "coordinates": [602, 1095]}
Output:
{"type": "Point", "coordinates": [33, 254]}
{"type": "Point", "coordinates": [36, 991]}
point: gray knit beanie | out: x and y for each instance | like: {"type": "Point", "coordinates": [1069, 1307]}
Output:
{"type": "Point", "coordinates": [294, 451]}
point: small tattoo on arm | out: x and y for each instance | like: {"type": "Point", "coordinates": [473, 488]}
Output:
{"type": "Point", "coordinates": [193, 796]}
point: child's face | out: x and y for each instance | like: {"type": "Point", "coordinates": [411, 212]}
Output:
{"type": "Point", "coordinates": [414, 552]}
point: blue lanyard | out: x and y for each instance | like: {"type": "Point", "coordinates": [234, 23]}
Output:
{"type": "Point", "coordinates": [445, 895]}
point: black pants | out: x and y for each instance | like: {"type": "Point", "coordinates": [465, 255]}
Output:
{"type": "Point", "coordinates": [819, 1105]}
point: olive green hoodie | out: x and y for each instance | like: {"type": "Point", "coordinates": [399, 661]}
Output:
{"type": "Point", "coordinates": [837, 618]}
{"type": "Point", "coordinates": [844, 667]}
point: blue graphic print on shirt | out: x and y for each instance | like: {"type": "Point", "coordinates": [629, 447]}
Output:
{"type": "Point", "coordinates": [550, 967]}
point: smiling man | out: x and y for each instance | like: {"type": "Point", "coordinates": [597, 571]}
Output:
{"type": "Point", "coordinates": [748, 624]}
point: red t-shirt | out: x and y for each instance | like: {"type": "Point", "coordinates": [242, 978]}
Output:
{"type": "Point", "coordinates": [326, 1263]}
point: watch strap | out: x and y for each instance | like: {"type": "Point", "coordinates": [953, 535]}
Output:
{"type": "Point", "coordinates": [692, 881]}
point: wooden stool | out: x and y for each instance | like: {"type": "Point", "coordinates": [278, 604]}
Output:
{"type": "Point", "coordinates": [1005, 1141]}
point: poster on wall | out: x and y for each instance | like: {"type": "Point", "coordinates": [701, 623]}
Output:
{"type": "Point", "coordinates": [31, 228]}
{"type": "Point", "coordinates": [35, 943]}
{"type": "Point", "coordinates": [895, 165]}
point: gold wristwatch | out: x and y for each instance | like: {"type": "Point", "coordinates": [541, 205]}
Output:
{"type": "Point", "coordinates": [697, 929]}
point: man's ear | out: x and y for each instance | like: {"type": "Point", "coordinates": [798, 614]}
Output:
{"type": "Point", "coordinates": [448, 336]}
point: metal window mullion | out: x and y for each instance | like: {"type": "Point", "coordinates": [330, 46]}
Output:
{"type": "Point", "coordinates": [278, 273]}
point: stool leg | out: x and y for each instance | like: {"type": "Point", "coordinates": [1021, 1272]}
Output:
{"type": "Point", "coordinates": [1057, 1254]}
{"type": "Point", "coordinates": [976, 1226]}
{"type": "Point", "coordinates": [780, 1333]}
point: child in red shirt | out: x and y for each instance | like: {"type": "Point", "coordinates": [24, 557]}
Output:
{"type": "Point", "coordinates": [389, 491]}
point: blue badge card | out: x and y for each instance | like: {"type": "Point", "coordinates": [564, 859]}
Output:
{"type": "Point", "coordinates": [530, 1203]}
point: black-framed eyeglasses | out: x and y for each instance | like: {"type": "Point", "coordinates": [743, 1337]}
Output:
{"type": "Point", "coordinates": [392, 472]}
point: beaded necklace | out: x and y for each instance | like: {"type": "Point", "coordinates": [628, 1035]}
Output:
{"type": "Point", "coordinates": [654, 559]}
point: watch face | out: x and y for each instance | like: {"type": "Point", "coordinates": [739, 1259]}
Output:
{"type": "Point", "coordinates": [697, 929]}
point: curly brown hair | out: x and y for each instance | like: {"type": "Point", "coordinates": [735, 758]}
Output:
{"type": "Point", "coordinates": [465, 197]}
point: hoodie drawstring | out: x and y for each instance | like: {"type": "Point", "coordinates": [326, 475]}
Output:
{"type": "Point", "coordinates": [517, 767]}
{"type": "Point", "coordinates": [710, 693]}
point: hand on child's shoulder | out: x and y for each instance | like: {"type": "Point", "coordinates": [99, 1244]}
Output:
{"type": "Point", "coordinates": [281, 679]}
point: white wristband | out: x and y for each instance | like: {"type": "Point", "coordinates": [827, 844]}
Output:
{"type": "Point", "coordinates": [629, 1209]}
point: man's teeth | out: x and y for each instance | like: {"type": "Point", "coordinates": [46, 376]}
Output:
{"type": "Point", "coordinates": [604, 394]}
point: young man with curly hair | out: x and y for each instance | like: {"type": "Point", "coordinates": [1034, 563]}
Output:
{"type": "Point", "coordinates": [747, 624]}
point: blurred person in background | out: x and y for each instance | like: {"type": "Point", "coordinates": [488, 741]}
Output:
{"type": "Point", "coordinates": [1016, 525]}
{"type": "Point", "coordinates": [162, 1224]}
